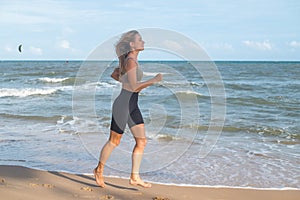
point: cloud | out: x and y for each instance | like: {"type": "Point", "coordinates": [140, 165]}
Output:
{"type": "Point", "coordinates": [67, 31]}
{"type": "Point", "coordinates": [65, 44]}
{"type": "Point", "coordinates": [169, 44]}
{"type": "Point", "coordinates": [294, 44]}
{"type": "Point", "coordinates": [50, 12]}
{"type": "Point", "coordinates": [265, 45]}
{"type": "Point", "coordinates": [131, 5]}
{"type": "Point", "coordinates": [220, 46]}
{"type": "Point", "coordinates": [21, 12]}
{"type": "Point", "coordinates": [8, 49]}
{"type": "Point", "coordinates": [36, 50]}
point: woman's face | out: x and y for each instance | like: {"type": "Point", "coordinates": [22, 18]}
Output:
{"type": "Point", "coordinates": [138, 43]}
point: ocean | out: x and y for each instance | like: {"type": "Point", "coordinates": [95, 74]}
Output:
{"type": "Point", "coordinates": [52, 118]}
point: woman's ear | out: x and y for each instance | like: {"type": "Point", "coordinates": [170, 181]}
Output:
{"type": "Point", "coordinates": [131, 45]}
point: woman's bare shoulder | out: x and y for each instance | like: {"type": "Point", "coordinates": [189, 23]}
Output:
{"type": "Point", "coordinates": [131, 64]}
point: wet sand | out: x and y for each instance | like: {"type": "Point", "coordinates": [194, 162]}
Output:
{"type": "Point", "coordinates": [29, 184]}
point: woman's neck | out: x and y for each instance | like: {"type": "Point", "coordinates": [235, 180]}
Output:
{"type": "Point", "coordinates": [133, 54]}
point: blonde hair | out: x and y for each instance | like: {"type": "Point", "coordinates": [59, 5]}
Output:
{"type": "Point", "coordinates": [123, 48]}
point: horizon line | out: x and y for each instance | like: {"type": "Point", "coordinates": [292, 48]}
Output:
{"type": "Point", "coordinates": [149, 60]}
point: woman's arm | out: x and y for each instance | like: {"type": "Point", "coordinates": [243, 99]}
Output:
{"type": "Point", "coordinates": [133, 83]}
{"type": "Point", "coordinates": [144, 84]}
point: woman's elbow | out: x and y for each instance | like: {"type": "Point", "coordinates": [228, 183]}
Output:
{"type": "Point", "coordinates": [133, 87]}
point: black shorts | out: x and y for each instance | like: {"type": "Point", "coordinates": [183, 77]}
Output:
{"type": "Point", "coordinates": [125, 110]}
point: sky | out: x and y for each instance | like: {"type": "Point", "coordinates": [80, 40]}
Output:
{"type": "Point", "coordinates": [226, 29]}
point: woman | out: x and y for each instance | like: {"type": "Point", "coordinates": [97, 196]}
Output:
{"type": "Point", "coordinates": [125, 108]}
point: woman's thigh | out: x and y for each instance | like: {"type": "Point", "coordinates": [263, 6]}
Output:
{"type": "Point", "coordinates": [138, 131]}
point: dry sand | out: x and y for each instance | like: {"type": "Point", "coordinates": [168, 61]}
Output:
{"type": "Point", "coordinates": [29, 184]}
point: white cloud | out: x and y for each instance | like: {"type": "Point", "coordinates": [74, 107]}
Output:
{"type": "Point", "coordinates": [294, 44]}
{"type": "Point", "coordinates": [169, 44]}
{"type": "Point", "coordinates": [265, 45]}
{"type": "Point", "coordinates": [36, 50]}
{"type": "Point", "coordinates": [48, 12]}
{"type": "Point", "coordinates": [22, 13]}
{"type": "Point", "coordinates": [65, 44]}
{"type": "Point", "coordinates": [220, 46]}
{"type": "Point", "coordinates": [67, 31]}
{"type": "Point", "coordinates": [8, 49]}
{"type": "Point", "coordinates": [131, 5]}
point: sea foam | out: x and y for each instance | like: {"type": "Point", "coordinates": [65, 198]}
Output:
{"type": "Point", "coordinates": [52, 80]}
{"type": "Point", "coordinates": [24, 92]}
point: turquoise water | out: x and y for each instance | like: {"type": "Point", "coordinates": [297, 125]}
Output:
{"type": "Point", "coordinates": [258, 147]}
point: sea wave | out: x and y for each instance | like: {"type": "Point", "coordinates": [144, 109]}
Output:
{"type": "Point", "coordinates": [188, 92]}
{"type": "Point", "coordinates": [163, 137]}
{"type": "Point", "coordinates": [14, 92]}
{"type": "Point", "coordinates": [280, 133]}
{"type": "Point", "coordinates": [154, 73]}
{"type": "Point", "coordinates": [25, 92]}
{"type": "Point", "coordinates": [102, 84]}
{"type": "Point", "coordinates": [52, 80]}
{"type": "Point", "coordinates": [175, 84]}
{"type": "Point", "coordinates": [75, 125]}
{"type": "Point", "coordinates": [64, 81]}
{"type": "Point", "coordinates": [54, 118]}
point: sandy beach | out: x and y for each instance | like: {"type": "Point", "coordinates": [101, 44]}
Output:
{"type": "Point", "coordinates": [23, 183]}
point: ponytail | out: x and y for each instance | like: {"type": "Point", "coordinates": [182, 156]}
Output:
{"type": "Point", "coordinates": [123, 48]}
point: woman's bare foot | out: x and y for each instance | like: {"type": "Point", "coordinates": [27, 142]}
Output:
{"type": "Point", "coordinates": [99, 177]}
{"type": "Point", "coordinates": [139, 182]}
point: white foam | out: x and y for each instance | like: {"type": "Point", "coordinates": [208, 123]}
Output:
{"type": "Point", "coordinates": [105, 85]}
{"type": "Point", "coordinates": [178, 185]}
{"type": "Point", "coordinates": [224, 186]}
{"type": "Point", "coordinates": [24, 92]}
{"type": "Point", "coordinates": [205, 186]}
{"type": "Point", "coordinates": [189, 92]}
{"type": "Point", "coordinates": [52, 80]}
{"type": "Point", "coordinates": [162, 137]}
{"type": "Point", "coordinates": [153, 73]}
{"type": "Point", "coordinates": [149, 74]}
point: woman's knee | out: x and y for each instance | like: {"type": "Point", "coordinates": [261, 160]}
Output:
{"type": "Point", "coordinates": [114, 142]}
{"type": "Point", "coordinates": [115, 138]}
{"type": "Point", "coordinates": [141, 142]}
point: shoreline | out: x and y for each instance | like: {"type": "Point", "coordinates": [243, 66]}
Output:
{"type": "Point", "coordinates": [199, 186]}
{"type": "Point", "coordinates": [21, 182]}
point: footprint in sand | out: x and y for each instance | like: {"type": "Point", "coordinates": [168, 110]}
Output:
{"type": "Point", "coordinates": [33, 184]}
{"type": "Point", "coordinates": [87, 189]}
{"type": "Point", "coordinates": [48, 185]}
{"type": "Point", "coordinates": [107, 197]}
{"type": "Point", "coordinates": [160, 198]}
{"type": "Point", "coordinates": [43, 185]}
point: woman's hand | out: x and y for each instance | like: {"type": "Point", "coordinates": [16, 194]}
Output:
{"type": "Point", "coordinates": [158, 78]}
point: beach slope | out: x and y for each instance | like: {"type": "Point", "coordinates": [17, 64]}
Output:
{"type": "Point", "coordinates": [29, 184]}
